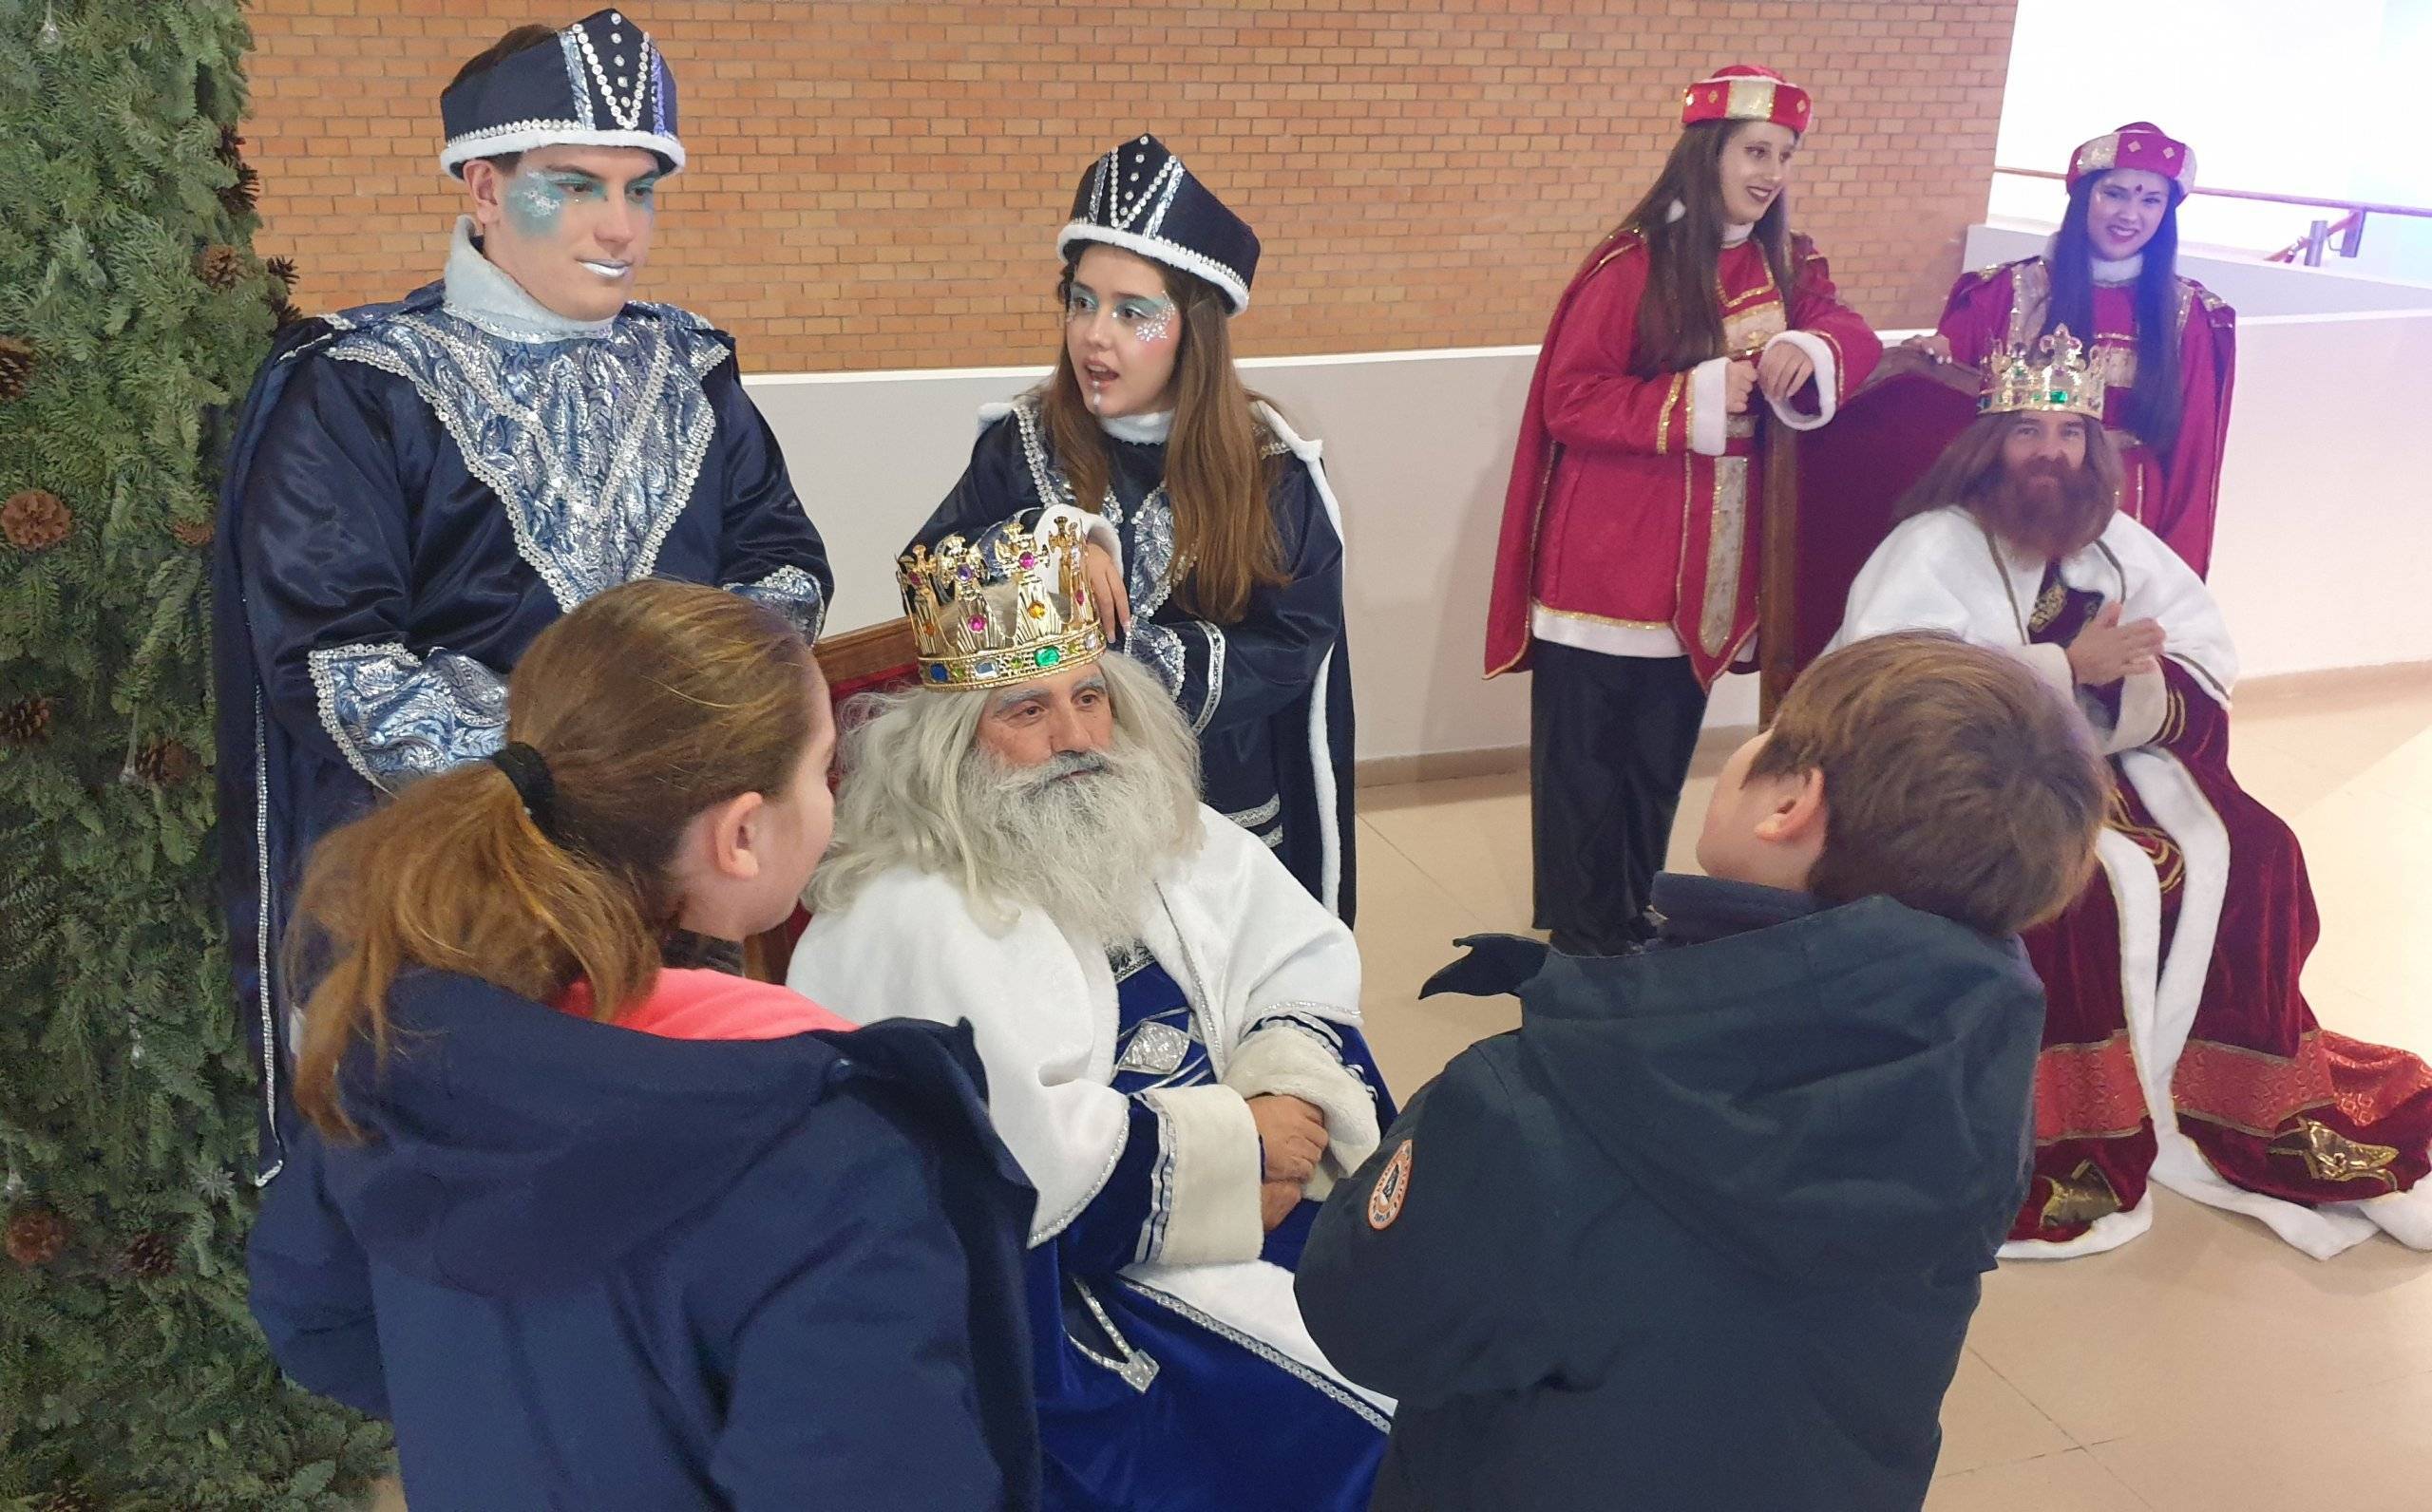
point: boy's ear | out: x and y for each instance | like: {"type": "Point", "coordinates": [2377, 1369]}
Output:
{"type": "Point", "coordinates": [1798, 812]}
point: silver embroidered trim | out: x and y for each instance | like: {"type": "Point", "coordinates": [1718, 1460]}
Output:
{"type": "Point", "coordinates": [1316, 1029]}
{"type": "Point", "coordinates": [593, 446]}
{"type": "Point", "coordinates": [1273, 840]}
{"type": "Point", "coordinates": [1128, 960]}
{"type": "Point", "coordinates": [1266, 1352]}
{"type": "Point", "coordinates": [792, 593]}
{"type": "Point", "coordinates": [393, 714]}
{"type": "Point", "coordinates": [1045, 480]}
{"type": "Point", "coordinates": [1161, 1186]}
{"type": "Point", "coordinates": [1150, 568]}
{"type": "Point", "coordinates": [574, 75]}
{"type": "Point", "coordinates": [1255, 817]}
{"type": "Point", "coordinates": [1155, 1049]}
{"type": "Point", "coordinates": [1040, 1234]}
{"type": "Point", "coordinates": [1215, 677]}
{"type": "Point", "coordinates": [626, 113]}
{"type": "Point", "coordinates": [261, 946]}
{"type": "Point", "coordinates": [1136, 1366]}
{"type": "Point", "coordinates": [1105, 194]}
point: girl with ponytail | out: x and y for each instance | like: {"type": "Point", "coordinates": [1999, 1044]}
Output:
{"type": "Point", "coordinates": [594, 1221]}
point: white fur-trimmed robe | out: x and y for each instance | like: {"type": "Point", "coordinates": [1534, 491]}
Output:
{"type": "Point", "coordinates": [1244, 941]}
{"type": "Point", "coordinates": [1942, 571]}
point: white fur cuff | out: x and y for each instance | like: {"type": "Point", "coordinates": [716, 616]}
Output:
{"type": "Point", "coordinates": [1828, 381]}
{"type": "Point", "coordinates": [1205, 1203]}
{"type": "Point", "coordinates": [1280, 1059]}
{"type": "Point", "coordinates": [2051, 663]}
{"type": "Point", "coordinates": [1708, 401]}
{"type": "Point", "coordinates": [2144, 699]}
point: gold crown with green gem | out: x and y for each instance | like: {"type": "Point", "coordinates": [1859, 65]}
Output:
{"type": "Point", "coordinates": [1008, 606]}
{"type": "Point", "coordinates": [2053, 374]}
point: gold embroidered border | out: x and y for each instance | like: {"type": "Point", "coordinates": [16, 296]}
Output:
{"type": "Point", "coordinates": [1726, 544]}
{"type": "Point", "coordinates": [2087, 1092]}
{"type": "Point", "coordinates": [1536, 605]}
{"type": "Point", "coordinates": [1553, 454]}
{"type": "Point", "coordinates": [1840, 364]}
{"type": "Point", "coordinates": [2030, 288]}
{"type": "Point", "coordinates": [1664, 418]}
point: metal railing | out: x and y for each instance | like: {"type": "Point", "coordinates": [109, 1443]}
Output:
{"type": "Point", "coordinates": [2348, 228]}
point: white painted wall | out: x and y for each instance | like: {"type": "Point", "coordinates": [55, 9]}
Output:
{"type": "Point", "coordinates": [2325, 544]}
{"type": "Point", "coordinates": [2318, 99]}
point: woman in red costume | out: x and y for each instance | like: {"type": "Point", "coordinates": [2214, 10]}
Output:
{"type": "Point", "coordinates": [2112, 269]}
{"type": "Point", "coordinates": [1627, 572]}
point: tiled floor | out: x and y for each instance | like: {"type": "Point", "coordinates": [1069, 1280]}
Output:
{"type": "Point", "coordinates": [2204, 1367]}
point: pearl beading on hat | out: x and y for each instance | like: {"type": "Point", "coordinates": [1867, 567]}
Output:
{"type": "Point", "coordinates": [626, 112]}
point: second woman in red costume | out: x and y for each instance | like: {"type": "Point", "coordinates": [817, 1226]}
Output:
{"type": "Point", "coordinates": [2111, 275]}
{"type": "Point", "coordinates": [1627, 568]}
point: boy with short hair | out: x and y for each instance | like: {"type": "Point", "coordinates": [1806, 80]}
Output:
{"type": "Point", "coordinates": [1705, 1232]}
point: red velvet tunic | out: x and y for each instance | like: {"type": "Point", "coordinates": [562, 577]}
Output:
{"type": "Point", "coordinates": [1612, 516]}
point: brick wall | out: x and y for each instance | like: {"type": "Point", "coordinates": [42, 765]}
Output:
{"type": "Point", "coordinates": [876, 184]}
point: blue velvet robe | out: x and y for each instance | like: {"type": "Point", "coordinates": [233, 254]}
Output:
{"type": "Point", "coordinates": [409, 501]}
{"type": "Point", "coordinates": [1142, 1403]}
{"type": "Point", "coordinates": [1270, 695]}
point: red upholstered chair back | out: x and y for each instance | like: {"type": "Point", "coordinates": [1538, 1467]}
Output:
{"type": "Point", "coordinates": [1854, 470]}
{"type": "Point", "coordinates": [876, 660]}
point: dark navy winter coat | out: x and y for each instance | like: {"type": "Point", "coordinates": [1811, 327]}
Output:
{"type": "Point", "coordinates": [585, 1268]}
{"type": "Point", "coordinates": [1705, 1234]}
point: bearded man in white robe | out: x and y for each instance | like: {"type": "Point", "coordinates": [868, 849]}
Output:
{"type": "Point", "coordinates": [1169, 1024]}
{"type": "Point", "coordinates": [2178, 1048]}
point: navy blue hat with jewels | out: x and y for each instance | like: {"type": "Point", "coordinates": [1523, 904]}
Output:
{"type": "Point", "coordinates": [1140, 197]}
{"type": "Point", "coordinates": [598, 83]}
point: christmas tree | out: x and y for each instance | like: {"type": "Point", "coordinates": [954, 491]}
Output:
{"type": "Point", "coordinates": [132, 315]}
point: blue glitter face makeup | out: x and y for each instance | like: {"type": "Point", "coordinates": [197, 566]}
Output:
{"type": "Point", "coordinates": [537, 203]}
{"type": "Point", "coordinates": [1143, 320]}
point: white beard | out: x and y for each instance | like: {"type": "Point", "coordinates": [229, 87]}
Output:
{"type": "Point", "coordinates": [1080, 838]}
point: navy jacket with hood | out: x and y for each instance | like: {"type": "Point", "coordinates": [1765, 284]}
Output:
{"type": "Point", "coordinates": [1705, 1234]}
{"type": "Point", "coordinates": [583, 1267]}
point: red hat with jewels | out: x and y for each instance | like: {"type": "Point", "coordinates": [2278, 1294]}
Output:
{"type": "Point", "coordinates": [1746, 92]}
{"type": "Point", "coordinates": [2137, 145]}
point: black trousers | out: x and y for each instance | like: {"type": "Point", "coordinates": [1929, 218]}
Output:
{"type": "Point", "coordinates": [1611, 739]}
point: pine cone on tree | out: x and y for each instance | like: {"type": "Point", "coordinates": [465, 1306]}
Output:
{"type": "Point", "coordinates": [283, 269]}
{"type": "Point", "coordinates": [164, 762]}
{"type": "Point", "coordinates": [231, 146]}
{"type": "Point", "coordinates": [26, 722]}
{"type": "Point", "coordinates": [283, 314]}
{"type": "Point", "coordinates": [222, 268]}
{"type": "Point", "coordinates": [196, 533]}
{"type": "Point", "coordinates": [16, 368]}
{"type": "Point", "coordinates": [150, 1255]}
{"type": "Point", "coordinates": [35, 520]}
{"type": "Point", "coordinates": [239, 199]}
{"type": "Point", "coordinates": [36, 1235]}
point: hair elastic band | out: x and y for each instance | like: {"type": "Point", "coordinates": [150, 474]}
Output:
{"type": "Point", "coordinates": [529, 771]}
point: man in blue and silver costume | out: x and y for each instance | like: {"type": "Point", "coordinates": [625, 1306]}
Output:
{"type": "Point", "coordinates": [417, 489]}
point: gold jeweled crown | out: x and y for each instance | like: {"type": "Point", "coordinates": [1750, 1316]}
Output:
{"type": "Point", "coordinates": [2052, 374]}
{"type": "Point", "coordinates": [1008, 606]}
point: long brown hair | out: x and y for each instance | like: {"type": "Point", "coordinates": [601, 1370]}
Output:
{"type": "Point", "coordinates": [1971, 464]}
{"type": "Point", "coordinates": [2153, 402]}
{"type": "Point", "coordinates": [650, 703]}
{"type": "Point", "coordinates": [1225, 541]}
{"type": "Point", "coordinates": [1679, 317]}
